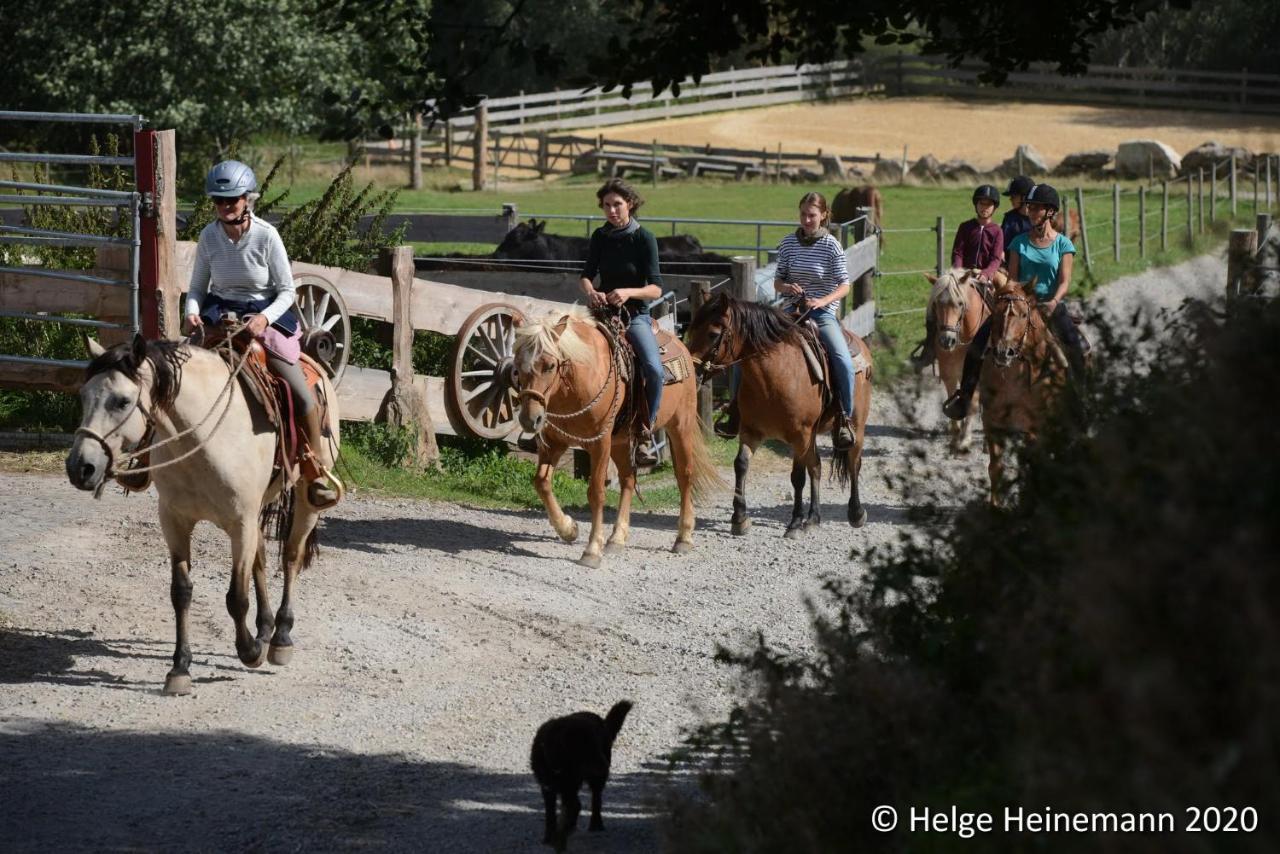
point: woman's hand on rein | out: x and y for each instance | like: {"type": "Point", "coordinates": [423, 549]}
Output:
{"type": "Point", "coordinates": [194, 322]}
{"type": "Point", "coordinates": [618, 297]}
{"type": "Point", "coordinates": [256, 324]}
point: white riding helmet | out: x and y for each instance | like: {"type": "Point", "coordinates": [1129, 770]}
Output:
{"type": "Point", "coordinates": [230, 179]}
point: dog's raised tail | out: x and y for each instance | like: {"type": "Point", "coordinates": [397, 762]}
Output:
{"type": "Point", "coordinates": [613, 720]}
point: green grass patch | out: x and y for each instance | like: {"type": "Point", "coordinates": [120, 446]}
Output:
{"type": "Point", "coordinates": [482, 474]}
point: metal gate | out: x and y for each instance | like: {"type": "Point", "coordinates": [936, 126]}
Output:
{"type": "Point", "coordinates": [129, 203]}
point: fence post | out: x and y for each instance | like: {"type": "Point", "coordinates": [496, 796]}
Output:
{"type": "Point", "coordinates": [510, 215]}
{"type": "Point", "coordinates": [1142, 222]}
{"type": "Point", "coordinates": [742, 268]}
{"type": "Point", "coordinates": [415, 153]}
{"type": "Point", "coordinates": [1084, 229]}
{"type": "Point", "coordinates": [1241, 249]}
{"type": "Point", "coordinates": [1191, 235]}
{"type": "Point", "coordinates": [480, 148]}
{"type": "Point", "coordinates": [158, 288]}
{"type": "Point", "coordinates": [448, 143]}
{"type": "Point", "coordinates": [404, 405]}
{"type": "Point", "coordinates": [1115, 221]}
{"type": "Point", "coordinates": [497, 158]}
{"type": "Point", "coordinates": [902, 178]}
{"type": "Point", "coordinates": [1164, 216]}
{"type": "Point", "coordinates": [1200, 201]}
{"type": "Point", "coordinates": [1268, 182]}
{"type": "Point", "coordinates": [542, 153]}
{"type": "Point", "coordinates": [653, 164]}
{"type": "Point", "coordinates": [1263, 221]}
{"type": "Point", "coordinates": [1213, 192]}
{"type": "Point", "coordinates": [1256, 170]}
{"type": "Point", "coordinates": [1233, 186]}
{"type": "Point", "coordinates": [940, 227]}
{"type": "Point", "coordinates": [700, 295]}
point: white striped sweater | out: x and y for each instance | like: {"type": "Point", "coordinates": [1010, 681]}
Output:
{"type": "Point", "coordinates": [252, 268]}
{"type": "Point", "coordinates": [819, 268]}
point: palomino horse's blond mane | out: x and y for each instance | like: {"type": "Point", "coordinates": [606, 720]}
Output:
{"type": "Point", "coordinates": [951, 288]}
{"type": "Point", "coordinates": [554, 336]}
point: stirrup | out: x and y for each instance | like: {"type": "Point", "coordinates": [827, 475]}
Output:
{"type": "Point", "coordinates": [956, 407]}
{"type": "Point", "coordinates": [324, 478]}
{"type": "Point", "coordinates": [842, 429]}
{"type": "Point", "coordinates": [646, 456]}
{"type": "Point", "coordinates": [725, 428]}
{"type": "Point", "coordinates": [922, 356]}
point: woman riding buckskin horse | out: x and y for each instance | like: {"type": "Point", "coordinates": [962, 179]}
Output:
{"type": "Point", "coordinates": [811, 268]}
{"type": "Point", "coordinates": [624, 254]}
{"type": "Point", "coordinates": [241, 266]}
{"type": "Point", "coordinates": [1047, 257]}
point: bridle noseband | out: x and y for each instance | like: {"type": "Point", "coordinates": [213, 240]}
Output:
{"type": "Point", "coordinates": [1009, 300]}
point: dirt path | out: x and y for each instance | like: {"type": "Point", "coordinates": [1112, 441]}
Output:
{"type": "Point", "coordinates": [432, 640]}
{"type": "Point", "coordinates": [947, 128]}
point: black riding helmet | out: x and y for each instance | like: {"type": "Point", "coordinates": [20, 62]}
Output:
{"type": "Point", "coordinates": [1020, 186]}
{"type": "Point", "coordinates": [987, 192]}
{"type": "Point", "coordinates": [1043, 194]}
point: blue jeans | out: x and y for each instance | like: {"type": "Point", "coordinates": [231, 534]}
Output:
{"type": "Point", "coordinates": [648, 361]}
{"type": "Point", "coordinates": [842, 375]}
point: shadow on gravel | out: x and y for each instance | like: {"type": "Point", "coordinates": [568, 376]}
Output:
{"type": "Point", "coordinates": [27, 655]}
{"type": "Point", "coordinates": [66, 788]}
{"type": "Point", "coordinates": [442, 535]}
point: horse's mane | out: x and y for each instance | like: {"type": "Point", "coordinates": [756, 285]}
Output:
{"type": "Point", "coordinates": [762, 327]}
{"type": "Point", "coordinates": [951, 288]}
{"type": "Point", "coordinates": [536, 337]}
{"type": "Point", "coordinates": [166, 357]}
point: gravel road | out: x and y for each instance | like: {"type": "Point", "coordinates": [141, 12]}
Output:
{"type": "Point", "coordinates": [432, 640]}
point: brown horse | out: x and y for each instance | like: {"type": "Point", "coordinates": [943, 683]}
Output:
{"type": "Point", "coordinates": [571, 392]}
{"type": "Point", "coordinates": [958, 309]}
{"type": "Point", "coordinates": [1022, 375]}
{"type": "Point", "coordinates": [778, 399]}
{"type": "Point", "coordinates": [846, 203]}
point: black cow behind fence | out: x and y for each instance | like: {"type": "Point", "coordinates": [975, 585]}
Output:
{"type": "Point", "coordinates": [681, 253]}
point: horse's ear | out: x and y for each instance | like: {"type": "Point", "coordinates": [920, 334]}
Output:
{"type": "Point", "coordinates": [724, 298]}
{"type": "Point", "coordinates": [1030, 287]}
{"type": "Point", "coordinates": [139, 348]}
{"type": "Point", "coordinates": [538, 226]}
{"type": "Point", "coordinates": [95, 349]}
{"type": "Point", "coordinates": [932, 278]}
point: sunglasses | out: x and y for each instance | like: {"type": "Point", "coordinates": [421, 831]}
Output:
{"type": "Point", "coordinates": [222, 200]}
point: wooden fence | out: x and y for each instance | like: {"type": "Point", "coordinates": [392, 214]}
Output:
{"type": "Point", "coordinates": [1181, 89]}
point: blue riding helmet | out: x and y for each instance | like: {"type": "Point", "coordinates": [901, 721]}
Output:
{"type": "Point", "coordinates": [230, 179]}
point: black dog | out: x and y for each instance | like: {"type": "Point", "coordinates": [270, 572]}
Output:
{"type": "Point", "coordinates": [567, 752]}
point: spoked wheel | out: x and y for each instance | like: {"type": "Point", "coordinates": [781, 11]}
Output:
{"type": "Point", "coordinates": [481, 392]}
{"type": "Point", "coordinates": [326, 323]}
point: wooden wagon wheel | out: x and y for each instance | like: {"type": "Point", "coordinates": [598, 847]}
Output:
{"type": "Point", "coordinates": [481, 393]}
{"type": "Point", "coordinates": [326, 323]}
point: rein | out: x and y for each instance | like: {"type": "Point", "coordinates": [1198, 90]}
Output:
{"type": "Point", "coordinates": [614, 404]}
{"type": "Point", "coordinates": [143, 448]}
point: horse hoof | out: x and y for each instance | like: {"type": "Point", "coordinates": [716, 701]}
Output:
{"type": "Point", "coordinates": [572, 535]}
{"type": "Point", "coordinates": [258, 658]}
{"type": "Point", "coordinates": [859, 518]}
{"type": "Point", "coordinates": [791, 533]}
{"type": "Point", "coordinates": [589, 561]}
{"type": "Point", "coordinates": [810, 524]}
{"type": "Point", "coordinates": [740, 528]}
{"type": "Point", "coordinates": [682, 547]}
{"type": "Point", "coordinates": [280, 655]}
{"type": "Point", "coordinates": [614, 548]}
{"type": "Point", "coordinates": [177, 684]}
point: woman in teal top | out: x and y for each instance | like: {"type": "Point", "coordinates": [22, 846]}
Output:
{"type": "Point", "coordinates": [1048, 257]}
{"type": "Point", "coordinates": [624, 254]}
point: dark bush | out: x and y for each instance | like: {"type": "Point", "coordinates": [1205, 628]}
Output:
{"type": "Point", "coordinates": [1105, 644]}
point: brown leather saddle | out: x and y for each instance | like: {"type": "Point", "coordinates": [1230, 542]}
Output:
{"type": "Point", "coordinates": [676, 368]}
{"type": "Point", "coordinates": [815, 356]}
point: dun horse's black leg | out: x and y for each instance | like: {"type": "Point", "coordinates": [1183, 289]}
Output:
{"type": "Point", "coordinates": [265, 621]}
{"type": "Point", "coordinates": [741, 521]}
{"type": "Point", "coordinates": [549, 824]}
{"type": "Point", "coordinates": [179, 679]}
{"type": "Point", "coordinates": [797, 509]}
{"type": "Point", "coordinates": [597, 799]}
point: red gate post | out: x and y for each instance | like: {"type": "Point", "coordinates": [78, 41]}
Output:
{"type": "Point", "coordinates": [156, 172]}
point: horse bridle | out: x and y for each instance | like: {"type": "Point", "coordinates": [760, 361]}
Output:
{"type": "Point", "coordinates": [540, 398]}
{"type": "Point", "coordinates": [1009, 300]}
{"type": "Point", "coordinates": [964, 306]}
{"type": "Point", "coordinates": [147, 435]}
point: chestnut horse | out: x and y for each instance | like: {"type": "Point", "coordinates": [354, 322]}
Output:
{"type": "Point", "coordinates": [571, 392]}
{"type": "Point", "coordinates": [1023, 374]}
{"type": "Point", "coordinates": [958, 309]}
{"type": "Point", "coordinates": [779, 399]}
{"type": "Point", "coordinates": [212, 453]}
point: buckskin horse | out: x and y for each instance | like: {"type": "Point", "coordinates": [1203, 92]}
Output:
{"type": "Point", "coordinates": [779, 398]}
{"type": "Point", "coordinates": [1023, 374]}
{"type": "Point", "coordinates": [572, 391]}
{"type": "Point", "coordinates": [212, 454]}
{"type": "Point", "coordinates": [958, 309]}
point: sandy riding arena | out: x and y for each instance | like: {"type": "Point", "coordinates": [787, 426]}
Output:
{"type": "Point", "coordinates": [432, 640]}
{"type": "Point", "coordinates": [981, 132]}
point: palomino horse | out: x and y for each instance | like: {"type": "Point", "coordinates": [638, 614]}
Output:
{"type": "Point", "coordinates": [778, 399]}
{"type": "Point", "coordinates": [212, 457]}
{"type": "Point", "coordinates": [571, 391]}
{"type": "Point", "coordinates": [1022, 376]}
{"type": "Point", "coordinates": [958, 309]}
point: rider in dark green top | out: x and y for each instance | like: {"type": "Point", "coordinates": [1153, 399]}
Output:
{"type": "Point", "coordinates": [625, 257]}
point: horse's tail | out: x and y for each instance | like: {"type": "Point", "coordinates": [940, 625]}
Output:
{"type": "Point", "coordinates": [840, 471]}
{"type": "Point", "coordinates": [704, 479]}
{"type": "Point", "coordinates": [276, 521]}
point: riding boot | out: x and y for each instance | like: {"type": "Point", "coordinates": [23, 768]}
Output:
{"type": "Point", "coordinates": [646, 453]}
{"type": "Point", "coordinates": [727, 427]}
{"type": "Point", "coordinates": [956, 407]}
{"type": "Point", "coordinates": [842, 437]}
{"type": "Point", "coordinates": [323, 487]}
{"type": "Point", "coordinates": [923, 355]}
